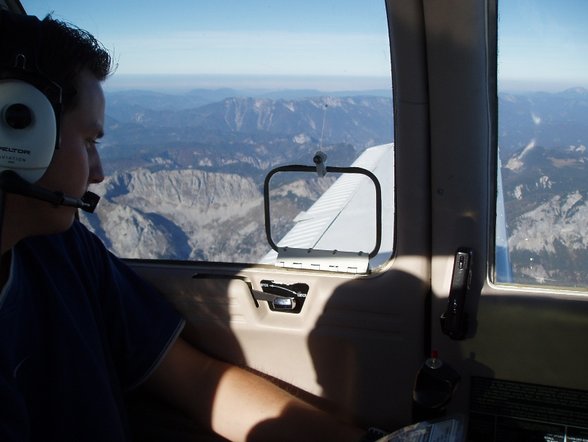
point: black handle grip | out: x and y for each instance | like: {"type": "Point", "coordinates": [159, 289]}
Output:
{"type": "Point", "coordinates": [454, 321]}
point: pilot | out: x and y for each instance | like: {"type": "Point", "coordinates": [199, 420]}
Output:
{"type": "Point", "coordinates": [78, 328]}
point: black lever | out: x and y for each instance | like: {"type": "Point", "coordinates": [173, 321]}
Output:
{"type": "Point", "coordinates": [434, 387]}
{"type": "Point", "coordinates": [454, 322]}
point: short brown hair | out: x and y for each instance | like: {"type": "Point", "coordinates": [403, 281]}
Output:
{"type": "Point", "coordinates": [51, 50]}
{"type": "Point", "coordinates": [64, 51]}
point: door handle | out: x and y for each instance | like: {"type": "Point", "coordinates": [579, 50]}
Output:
{"type": "Point", "coordinates": [282, 297]}
{"type": "Point", "coordinates": [278, 302]}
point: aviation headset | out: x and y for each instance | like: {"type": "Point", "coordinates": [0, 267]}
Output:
{"type": "Point", "coordinates": [30, 103]}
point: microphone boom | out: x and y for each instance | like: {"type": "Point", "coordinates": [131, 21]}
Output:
{"type": "Point", "coordinates": [11, 182]}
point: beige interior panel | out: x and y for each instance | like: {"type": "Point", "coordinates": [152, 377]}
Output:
{"type": "Point", "coordinates": [354, 342]}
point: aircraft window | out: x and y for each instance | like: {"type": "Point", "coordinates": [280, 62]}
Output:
{"type": "Point", "coordinates": [542, 139]}
{"type": "Point", "coordinates": [204, 103]}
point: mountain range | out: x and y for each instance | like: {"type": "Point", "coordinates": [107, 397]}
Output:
{"type": "Point", "coordinates": [185, 172]}
{"type": "Point", "coordinates": [183, 179]}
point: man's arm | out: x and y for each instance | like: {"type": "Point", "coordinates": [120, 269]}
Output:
{"type": "Point", "coordinates": [240, 405]}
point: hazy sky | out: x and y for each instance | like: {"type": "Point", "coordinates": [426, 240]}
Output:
{"type": "Point", "coordinates": [303, 38]}
{"type": "Point", "coordinates": [542, 43]}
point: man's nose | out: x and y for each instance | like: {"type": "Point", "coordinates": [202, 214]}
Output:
{"type": "Point", "coordinates": [96, 173]}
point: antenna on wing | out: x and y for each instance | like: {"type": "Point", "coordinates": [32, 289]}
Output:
{"type": "Point", "coordinates": [325, 107]}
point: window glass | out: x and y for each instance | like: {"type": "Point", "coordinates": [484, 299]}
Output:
{"type": "Point", "coordinates": [204, 103]}
{"type": "Point", "coordinates": [542, 235]}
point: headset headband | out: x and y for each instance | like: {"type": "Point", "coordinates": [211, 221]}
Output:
{"type": "Point", "coordinates": [30, 103]}
{"type": "Point", "coordinates": [20, 39]}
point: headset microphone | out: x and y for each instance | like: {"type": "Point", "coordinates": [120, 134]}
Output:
{"type": "Point", "coordinates": [11, 182]}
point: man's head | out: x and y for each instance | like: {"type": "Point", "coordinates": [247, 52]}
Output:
{"type": "Point", "coordinates": [77, 63]}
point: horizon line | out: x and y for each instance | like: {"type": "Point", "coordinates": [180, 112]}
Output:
{"type": "Point", "coordinates": [268, 82]}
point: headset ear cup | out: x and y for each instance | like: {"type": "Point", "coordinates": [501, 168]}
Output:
{"type": "Point", "coordinates": [28, 129]}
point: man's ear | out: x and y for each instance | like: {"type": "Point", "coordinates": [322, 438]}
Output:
{"type": "Point", "coordinates": [28, 129]}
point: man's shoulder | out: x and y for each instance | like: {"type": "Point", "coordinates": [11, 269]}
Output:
{"type": "Point", "coordinates": [76, 232]}
{"type": "Point", "coordinates": [80, 231]}
{"type": "Point", "coordinates": [76, 243]}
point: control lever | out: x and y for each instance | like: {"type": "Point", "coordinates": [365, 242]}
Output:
{"type": "Point", "coordinates": [434, 387]}
{"type": "Point", "coordinates": [454, 322]}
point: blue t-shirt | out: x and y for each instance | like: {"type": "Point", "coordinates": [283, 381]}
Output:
{"type": "Point", "coordinates": [78, 329]}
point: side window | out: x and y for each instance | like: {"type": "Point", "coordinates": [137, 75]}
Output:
{"type": "Point", "coordinates": [542, 235]}
{"type": "Point", "coordinates": [204, 104]}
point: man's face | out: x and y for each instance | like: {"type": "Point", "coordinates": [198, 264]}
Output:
{"type": "Point", "coordinates": [76, 163]}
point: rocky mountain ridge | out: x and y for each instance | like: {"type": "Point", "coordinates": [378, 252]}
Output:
{"type": "Point", "coordinates": [546, 202]}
